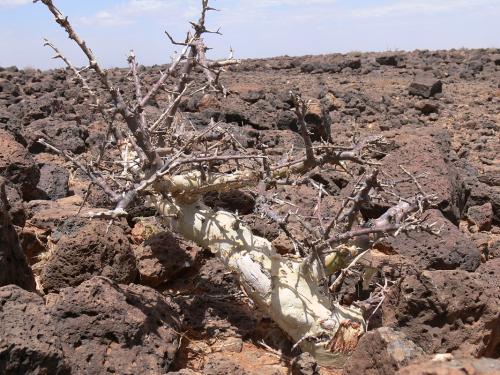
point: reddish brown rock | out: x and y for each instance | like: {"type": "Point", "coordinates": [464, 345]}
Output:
{"type": "Point", "coordinates": [446, 311]}
{"type": "Point", "coordinates": [450, 249]}
{"type": "Point", "coordinates": [17, 165]}
{"type": "Point", "coordinates": [99, 327]}
{"type": "Point", "coordinates": [53, 183]}
{"type": "Point", "coordinates": [382, 352]}
{"type": "Point", "coordinates": [425, 159]}
{"type": "Point", "coordinates": [14, 268]}
{"type": "Point", "coordinates": [162, 256]}
{"type": "Point", "coordinates": [461, 366]}
{"type": "Point", "coordinates": [425, 86]}
{"type": "Point", "coordinates": [110, 328]}
{"type": "Point", "coordinates": [87, 248]}
{"type": "Point", "coordinates": [66, 135]}
{"type": "Point", "coordinates": [481, 216]}
{"type": "Point", "coordinates": [29, 342]}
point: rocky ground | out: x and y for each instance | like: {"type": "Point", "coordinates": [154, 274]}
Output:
{"type": "Point", "coordinates": [129, 297]}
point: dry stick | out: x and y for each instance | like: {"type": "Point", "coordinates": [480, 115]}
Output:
{"type": "Point", "coordinates": [189, 53]}
{"type": "Point", "coordinates": [164, 75]}
{"type": "Point", "coordinates": [168, 113]}
{"type": "Point", "coordinates": [99, 181]}
{"type": "Point", "coordinates": [213, 79]}
{"type": "Point", "coordinates": [128, 113]}
{"type": "Point", "coordinates": [361, 197]}
{"type": "Point", "coordinates": [343, 273]}
{"type": "Point", "coordinates": [138, 95]}
{"type": "Point", "coordinates": [300, 111]}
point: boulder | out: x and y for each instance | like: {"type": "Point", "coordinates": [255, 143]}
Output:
{"type": "Point", "coordinates": [53, 183]}
{"type": "Point", "coordinates": [85, 248]}
{"type": "Point", "coordinates": [382, 352]}
{"type": "Point", "coordinates": [425, 159]}
{"type": "Point", "coordinates": [305, 364]}
{"type": "Point", "coordinates": [14, 268]}
{"type": "Point", "coordinates": [99, 327]}
{"type": "Point", "coordinates": [29, 342]}
{"type": "Point", "coordinates": [390, 60]}
{"type": "Point", "coordinates": [481, 216]}
{"type": "Point", "coordinates": [425, 86]}
{"type": "Point", "coordinates": [453, 366]}
{"type": "Point", "coordinates": [162, 256]}
{"type": "Point", "coordinates": [446, 312]}
{"type": "Point", "coordinates": [450, 249]}
{"type": "Point", "coordinates": [109, 328]}
{"type": "Point", "coordinates": [17, 165]}
{"type": "Point", "coordinates": [65, 135]}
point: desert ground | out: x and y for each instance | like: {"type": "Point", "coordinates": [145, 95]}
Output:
{"type": "Point", "coordinates": [129, 296]}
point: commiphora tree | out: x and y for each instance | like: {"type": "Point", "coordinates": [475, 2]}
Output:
{"type": "Point", "coordinates": [170, 166]}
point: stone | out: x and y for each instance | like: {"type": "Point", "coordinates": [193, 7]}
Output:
{"type": "Point", "coordinates": [305, 364]}
{"type": "Point", "coordinates": [65, 135]}
{"type": "Point", "coordinates": [29, 343]}
{"type": "Point", "coordinates": [53, 181]}
{"type": "Point", "coordinates": [318, 120]}
{"type": "Point", "coordinates": [427, 107]}
{"type": "Point", "coordinates": [287, 120]}
{"type": "Point", "coordinates": [425, 86]}
{"type": "Point", "coordinates": [426, 159]}
{"type": "Point", "coordinates": [450, 249]}
{"type": "Point", "coordinates": [162, 256]}
{"type": "Point", "coordinates": [446, 311]}
{"type": "Point", "coordinates": [99, 327]}
{"type": "Point", "coordinates": [220, 365]}
{"type": "Point", "coordinates": [453, 366]}
{"type": "Point", "coordinates": [14, 268]}
{"type": "Point", "coordinates": [481, 216]}
{"type": "Point", "coordinates": [17, 165]}
{"type": "Point", "coordinates": [84, 249]}
{"type": "Point", "coordinates": [382, 352]}
{"type": "Point", "coordinates": [391, 60]}
{"type": "Point", "coordinates": [111, 328]}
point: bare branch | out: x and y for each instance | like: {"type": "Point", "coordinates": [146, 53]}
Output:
{"type": "Point", "coordinates": [96, 179]}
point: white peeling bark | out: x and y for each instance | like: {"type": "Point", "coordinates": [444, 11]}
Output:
{"type": "Point", "coordinates": [293, 299]}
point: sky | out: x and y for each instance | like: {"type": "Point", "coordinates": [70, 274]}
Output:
{"type": "Point", "coordinates": [252, 28]}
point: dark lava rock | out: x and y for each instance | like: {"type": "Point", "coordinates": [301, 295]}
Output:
{"type": "Point", "coordinates": [85, 249]}
{"type": "Point", "coordinates": [391, 60]}
{"type": "Point", "coordinates": [162, 256]}
{"type": "Point", "coordinates": [427, 107]}
{"type": "Point", "coordinates": [305, 364]}
{"type": "Point", "coordinates": [426, 159]}
{"type": "Point", "coordinates": [454, 366]}
{"type": "Point", "coordinates": [481, 216]}
{"type": "Point", "coordinates": [450, 249]}
{"type": "Point", "coordinates": [17, 209]}
{"type": "Point", "coordinates": [14, 268]}
{"type": "Point", "coordinates": [219, 366]}
{"type": "Point", "coordinates": [96, 328]}
{"type": "Point", "coordinates": [425, 86]}
{"type": "Point", "coordinates": [287, 120]}
{"type": "Point", "coordinates": [446, 311]}
{"type": "Point", "coordinates": [232, 200]}
{"type": "Point", "coordinates": [17, 165]}
{"type": "Point", "coordinates": [29, 343]}
{"type": "Point", "coordinates": [53, 181]}
{"type": "Point", "coordinates": [109, 328]}
{"type": "Point", "coordinates": [65, 135]}
{"type": "Point", "coordinates": [382, 352]}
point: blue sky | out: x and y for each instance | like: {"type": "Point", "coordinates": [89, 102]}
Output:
{"type": "Point", "coordinates": [254, 28]}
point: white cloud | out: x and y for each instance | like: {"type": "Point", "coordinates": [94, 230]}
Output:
{"type": "Point", "coordinates": [404, 7]}
{"type": "Point", "coordinates": [13, 3]}
{"type": "Point", "coordinates": [129, 11]}
{"type": "Point", "coordinates": [267, 3]}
